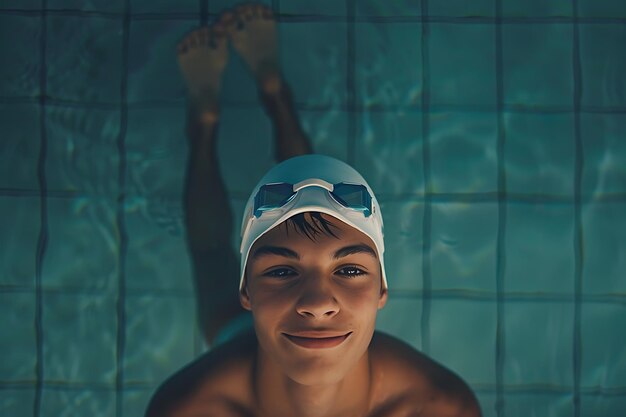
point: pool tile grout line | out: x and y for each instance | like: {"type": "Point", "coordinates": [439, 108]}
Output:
{"type": "Point", "coordinates": [427, 215]}
{"type": "Point", "coordinates": [203, 11]}
{"type": "Point", "coordinates": [500, 336]}
{"type": "Point", "coordinates": [42, 241]}
{"type": "Point", "coordinates": [578, 227]}
{"type": "Point", "coordinates": [351, 81]}
{"type": "Point", "coordinates": [163, 104]}
{"type": "Point", "coordinates": [120, 217]}
{"type": "Point", "coordinates": [315, 18]}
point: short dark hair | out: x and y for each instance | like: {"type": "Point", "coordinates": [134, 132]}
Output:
{"type": "Point", "coordinates": [311, 227]}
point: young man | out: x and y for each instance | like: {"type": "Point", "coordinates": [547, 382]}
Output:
{"type": "Point", "coordinates": [311, 270]}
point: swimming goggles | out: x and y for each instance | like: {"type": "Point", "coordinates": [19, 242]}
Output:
{"type": "Point", "coordinates": [276, 195]}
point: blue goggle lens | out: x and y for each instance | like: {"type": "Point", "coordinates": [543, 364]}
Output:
{"type": "Point", "coordinates": [354, 196]}
{"type": "Point", "coordinates": [274, 196]}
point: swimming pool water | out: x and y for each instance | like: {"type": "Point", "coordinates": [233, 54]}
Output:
{"type": "Point", "coordinates": [493, 131]}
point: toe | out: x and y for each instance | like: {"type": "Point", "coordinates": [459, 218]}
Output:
{"type": "Point", "coordinates": [217, 37]}
{"type": "Point", "coordinates": [245, 11]}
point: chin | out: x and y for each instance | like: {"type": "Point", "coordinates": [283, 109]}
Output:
{"type": "Point", "coordinates": [323, 368]}
{"type": "Point", "coordinates": [314, 373]}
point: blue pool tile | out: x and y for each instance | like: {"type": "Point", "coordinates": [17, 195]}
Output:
{"type": "Point", "coordinates": [20, 227]}
{"type": "Point", "coordinates": [382, 8]}
{"type": "Point", "coordinates": [547, 267]}
{"type": "Point", "coordinates": [17, 364]}
{"type": "Point", "coordinates": [217, 6]}
{"type": "Point", "coordinates": [604, 228]}
{"type": "Point", "coordinates": [238, 205]}
{"type": "Point", "coordinates": [540, 403]}
{"type": "Point", "coordinates": [135, 400]}
{"type": "Point", "coordinates": [463, 152]}
{"type": "Point", "coordinates": [462, 8]}
{"type": "Point", "coordinates": [20, 4]}
{"type": "Point", "coordinates": [461, 65]}
{"type": "Point", "coordinates": [327, 131]}
{"type": "Point", "coordinates": [550, 322]}
{"type": "Point", "coordinates": [116, 6]}
{"type": "Point", "coordinates": [153, 72]}
{"type": "Point", "coordinates": [82, 154]}
{"type": "Point", "coordinates": [605, 404]}
{"type": "Point", "coordinates": [82, 250]}
{"type": "Point", "coordinates": [602, 8]}
{"type": "Point", "coordinates": [166, 6]}
{"type": "Point", "coordinates": [389, 151]}
{"type": "Point", "coordinates": [157, 257]}
{"type": "Point", "coordinates": [462, 337]}
{"type": "Point", "coordinates": [388, 64]}
{"type": "Point", "coordinates": [83, 402]}
{"type": "Point", "coordinates": [404, 244]}
{"type": "Point", "coordinates": [537, 8]}
{"type": "Point", "coordinates": [318, 7]}
{"type": "Point", "coordinates": [156, 152]}
{"type": "Point", "coordinates": [463, 246]}
{"type": "Point", "coordinates": [245, 148]}
{"type": "Point", "coordinates": [17, 402]}
{"type": "Point", "coordinates": [160, 334]}
{"type": "Point", "coordinates": [19, 72]}
{"type": "Point", "coordinates": [603, 64]}
{"type": "Point", "coordinates": [79, 339]}
{"type": "Point", "coordinates": [486, 400]}
{"type": "Point", "coordinates": [604, 147]}
{"type": "Point", "coordinates": [401, 318]}
{"type": "Point", "coordinates": [537, 65]}
{"type": "Point", "coordinates": [316, 66]}
{"type": "Point", "coordinates": [603, 347]}
{"type": "Point", "coordinates": [238, 86]}
{"type": "Point", "coordinates": [19, 147]}
{"type": "Point", "coordinates": [539, 154]}
{"type": "Point", "coordinates": [84, 58]}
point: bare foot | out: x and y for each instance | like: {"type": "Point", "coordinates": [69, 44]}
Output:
{"type": "Point", "coordinates": [202, 57]}
{"type": "Point", "coordinates": [252, 30]}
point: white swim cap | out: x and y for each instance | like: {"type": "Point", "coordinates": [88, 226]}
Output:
{"type": "Point", "coordinates": [311, 183]}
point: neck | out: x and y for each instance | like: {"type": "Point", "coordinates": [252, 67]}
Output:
{"type": "Point", "coordinates": [279, 395]}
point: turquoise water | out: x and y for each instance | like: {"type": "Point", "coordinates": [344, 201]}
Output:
{"type": "Point", "coordinates": [494, 133]}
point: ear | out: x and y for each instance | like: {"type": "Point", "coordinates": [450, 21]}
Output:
{"type": "Point", "coordinates": [244, 297]}
{"type": "Point", "coordinates": [383, 298]}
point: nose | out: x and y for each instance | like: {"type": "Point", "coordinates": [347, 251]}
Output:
{"type": "Point", "coordinates": [317, 299]}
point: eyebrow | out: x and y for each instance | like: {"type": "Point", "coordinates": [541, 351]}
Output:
{"type": "Point", "coordinates": [350, 250]}
{"type": "Point", "coordinates": [275, 250]}
{"type": "Point", "coordinates": [288, 253]}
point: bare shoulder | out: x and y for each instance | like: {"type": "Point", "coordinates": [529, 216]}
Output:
{"type": "Point", "coordinates": [218, 383]}
{"type": "Point", "coordinates": [407, 382]}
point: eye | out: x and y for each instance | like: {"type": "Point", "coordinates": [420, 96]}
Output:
{"type": "Point", "coordinates": [280, 273]}
{"type": "Point", "coordinates": [351, 271]}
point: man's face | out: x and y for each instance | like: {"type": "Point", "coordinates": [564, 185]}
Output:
{"type": "Point", "coordinates": [314, 302]}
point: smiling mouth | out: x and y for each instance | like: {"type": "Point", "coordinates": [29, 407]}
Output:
{"type": "Point", "coordinates": [317, 342]}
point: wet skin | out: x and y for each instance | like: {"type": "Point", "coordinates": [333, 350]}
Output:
{"type": "Point", "coordinates": [302, 293]}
